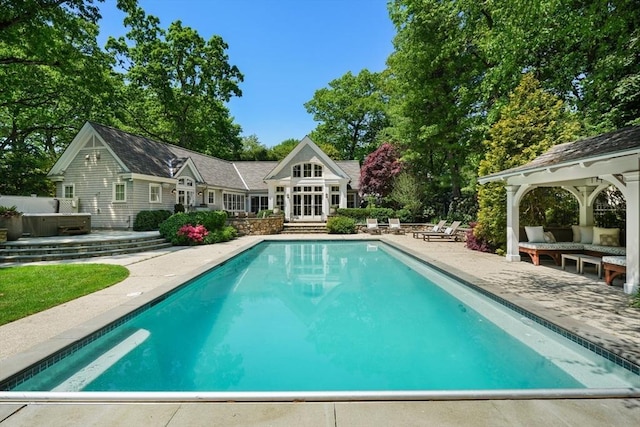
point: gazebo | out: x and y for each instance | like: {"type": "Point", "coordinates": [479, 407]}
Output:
{"type": "Point", "coordinates": [584, 168]}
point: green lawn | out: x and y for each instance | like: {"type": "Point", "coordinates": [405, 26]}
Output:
{"type": "Point", "coordinates": [29, 289]}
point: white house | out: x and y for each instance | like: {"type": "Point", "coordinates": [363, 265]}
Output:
{"type": "Point", "coordinates": [113, 175]}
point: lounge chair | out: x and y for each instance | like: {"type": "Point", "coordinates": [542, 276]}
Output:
{"type": "Point", "coordinates": [451, 233]}
{"type": "Point", "coordinates": [372, 226]}
{"type": "Point", "coordinates": [438, 228]}
{"type": "Point", "coordinates": [394, 226]}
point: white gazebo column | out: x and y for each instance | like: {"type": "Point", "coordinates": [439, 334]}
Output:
{"type": "Point", "coordinates": [586, 208]}
{"type": "Point", "coordinates": [632, 197]}
{"type": "Point", "coordinates": [513, 223]}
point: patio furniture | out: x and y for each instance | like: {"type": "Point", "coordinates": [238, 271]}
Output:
{"type": "Point", "coordinates": [439, 227]}
{"type": "Point", "coordinates": [571, 256]}
{"type": "Point", "coordinates": [394, 226]}
{"type": "Point", "coordinates": [613, 266]}
{"type": "Point", "coordinates": [372, 226]}
{"type": "Point", "coordinates": [594, 260]}
{"type": "Point", "coordinates": [451, 233]}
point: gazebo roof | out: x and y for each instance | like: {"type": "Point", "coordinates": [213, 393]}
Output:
{"type": "Point", "coordinates": [609, 145]}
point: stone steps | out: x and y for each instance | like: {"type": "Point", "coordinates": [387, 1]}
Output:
{"type": "Point", "coordinates": [25, 251]}
{"type": "Point", "coordinates": [305, 228]}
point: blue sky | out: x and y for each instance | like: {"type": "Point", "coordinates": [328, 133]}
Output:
{"type": "Point", "coordinates": [286, 49]}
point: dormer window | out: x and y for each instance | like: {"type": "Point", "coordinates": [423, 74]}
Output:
{"type": "Point", "coordinates": [307, 170]}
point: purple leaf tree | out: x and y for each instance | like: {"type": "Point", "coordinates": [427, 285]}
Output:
{"type": "Point", "coordinates": [378, 170]}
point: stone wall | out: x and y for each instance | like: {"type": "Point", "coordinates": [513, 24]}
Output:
{"type": "Point", "coordinates": [257, 226]}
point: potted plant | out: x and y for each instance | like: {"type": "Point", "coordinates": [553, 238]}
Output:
{"type": "Point", "coordinates": [11, 219]}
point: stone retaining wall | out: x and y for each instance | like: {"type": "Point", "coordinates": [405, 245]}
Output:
{"type": "Point", "coordinates": [257, 226]}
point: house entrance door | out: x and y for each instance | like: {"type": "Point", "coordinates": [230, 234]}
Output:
{"type": "Point", "coordinates": [307, 203]}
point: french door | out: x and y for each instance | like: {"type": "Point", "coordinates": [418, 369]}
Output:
{"type": "Point", "coordinates": [307, 203]}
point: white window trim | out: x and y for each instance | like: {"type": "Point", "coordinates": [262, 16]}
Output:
{"type": "Point", "coordinates": [159, 187]}
{"type": "Point", "coordinates": [73, 190]}
{"type": "Point", "coordinates": [209, 193]}
{"type": "Point", "coordinates": [113, 192]}
{"type": "Point", "coordinates": [243, 208]}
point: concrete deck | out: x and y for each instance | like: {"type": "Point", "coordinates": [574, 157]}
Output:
{"type": "Point", "coordinates": [581, 303]}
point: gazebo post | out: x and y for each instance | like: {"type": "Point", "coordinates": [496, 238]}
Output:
{"type": "Point", "coordinates": [632, 197]}
{"type": "Point", "coordinates": [586, 209]}
{"type": "Point", "coordinates": [513, 224]}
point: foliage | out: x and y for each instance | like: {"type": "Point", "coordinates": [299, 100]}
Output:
{"type": "Point", "coordinates": [464, 208]}
{"type": "Point", "coordinates": [532, 122]}
{"type": "Point", "coordinates": [176, 84]}
{"type": "Point", "coordinates": [53, 77]}
{"type": "Point", "coordinates": [476, 243]}
{"type": "Point", "coordinates": [213, 222]}
{"type": "Point", "coordinates": [9, 212]}
{"type": "Point", "coordinates": [378, 171]}
{"type": "Point", "coordinates": [549, 206]}
{"type": "Point", "coordinates": [341, 225]}
{"type": "Point", "coordinates": [30, 289]}
{"type": "Point", "coordinates": [178, 207]}
{"type": "Point", "coordinates": [282, 150]}
{"type": "Point", "coordinates": [406, 193]}
{"type": "Point", "coordinates": [150, 220]}
{"type": "Point", "coordinates": [252, 149]}
{"type": "Point", "coordinates": [361, 214]}
{"type": "Point", "coordinates": [351, 113]}
{"type": "Point", "coordinates": [191, 235]}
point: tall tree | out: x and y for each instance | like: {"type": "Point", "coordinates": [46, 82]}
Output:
{"type": "Point", "coordinates": [532, 122]}
{"type": "Point", "coordinates": [434, 82]}
{"type": "Point", "coordinates": [177, 85]}
{"type": "Point", "coordinates": [253, 149]}
{"type": "Point", "coordinates": [351, 113]}
{"type": "Point", "coordinates": [53, 77]}
{"type": "Point", "coordinates": [379, 170]}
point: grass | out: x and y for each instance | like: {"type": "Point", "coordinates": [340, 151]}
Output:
{"type": "Point", "coordinates": [26, 290]}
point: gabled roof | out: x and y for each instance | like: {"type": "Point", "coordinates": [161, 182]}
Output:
{"type": "Point", "coordinates": [143, 156]}
{"type": "Point", "coordinates": [307, 142]}
{"type": "Point", "coordinates": [609, 145]}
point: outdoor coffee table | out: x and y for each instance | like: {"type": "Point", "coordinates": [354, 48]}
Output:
{"type": "Point", "coordinates": [596, 261]}
{"type": "Point", "coordinates": [574, 257]}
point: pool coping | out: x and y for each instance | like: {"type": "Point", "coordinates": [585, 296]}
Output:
{"type": "Point", "coordinates": [18, 363]}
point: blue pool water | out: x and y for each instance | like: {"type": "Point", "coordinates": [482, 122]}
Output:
{"type": "Point", "coordinates": [327, 316]}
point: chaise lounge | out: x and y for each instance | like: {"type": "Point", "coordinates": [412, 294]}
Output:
{"type": "Point", "coordinates": [438, 228]}
{"type": "Point", "coordinates": [451, 233]}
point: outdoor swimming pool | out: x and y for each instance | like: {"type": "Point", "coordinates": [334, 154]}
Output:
{"type": "Point", "coordinates": [327, 317]}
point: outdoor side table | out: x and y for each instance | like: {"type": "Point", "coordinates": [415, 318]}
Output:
{"type": "Point", "coordinates": [574, 257]}
{"type": "Point", "coordinates": [596, 261]}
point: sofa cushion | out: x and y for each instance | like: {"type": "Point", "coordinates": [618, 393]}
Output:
{"type": "Point", "coordinates": [575, 229]}
{"type": "Point", "coordinates": [611, 250]}
{"type": "Point", "coordinates": [617, 260]}
{"type": "Point", "coordinates": [560, 246]}
{"type": "Point", "coordinates": [597, 232]}
{"type": "Point", "coordinates": [609, 240]}
{"type": "Point", "coordinates": [586, 234]}
{"type": "Point", "coordinates": [549, 237]}
{"type": "Point", "coordinates": [535, 234]}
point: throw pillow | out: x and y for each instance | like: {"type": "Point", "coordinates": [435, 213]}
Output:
{"type": "Point", "coordinates": [576, 233]}
{"type": "Point", "coordinates": [598, 232]}
{"type": "Point", "coordinates": [609, 240]}
{"type": "Point", "coordinates": [549, 237]}
{"type": "Point", "coordinates": [535, 234]}
{"type": "Point", "coordinates": [586, 234]}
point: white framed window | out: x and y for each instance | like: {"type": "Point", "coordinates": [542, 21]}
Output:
{"type": "Point", "coordinates": [119, 192]}
{"type": "Point", "coordinates": [335, 195]}
{"type": "Point", "coordinates": [155, 193]}
{"type": "Point", "coordinates": [68, 191]}
{"type": "Point", "coordinates": [259, 203]}
{"type": "Point", "coordinates": [351, 200]}
{"type": "Point", "coordinates": [296, 171]}
{"type": "Point", "coordinates": [317, 171]}
{"type": "Point", "coordinates": [233, 202]}
{"type": "Point", "coordinates": [307, 170]}
{"type": "Point", "coordinates": [211, 197]}
{"type": "Point", "coordinates": [279, 198]}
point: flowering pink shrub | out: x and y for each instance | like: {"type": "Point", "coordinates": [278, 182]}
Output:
{"type": "Point", "coordinates": [192, 235]}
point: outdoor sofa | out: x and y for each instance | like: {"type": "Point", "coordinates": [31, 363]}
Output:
{"type": "Point", "coordinates": [614, 266]}
{"type": "Point", "coordinates": [592, 241]}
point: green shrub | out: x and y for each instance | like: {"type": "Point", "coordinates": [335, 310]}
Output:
{"type": "Point", "coordinates": [150, 220]}
{"type": "Point", "coordinates": [341, 225]}
{"type": "Point", "coordinates": [221, 235]}
{"type": "Point", "coordinates": [213, 221]}
{"type": "Point", "coordinates": [264, 213]}
{"type": "Point", "coordinates": [361, 214]}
